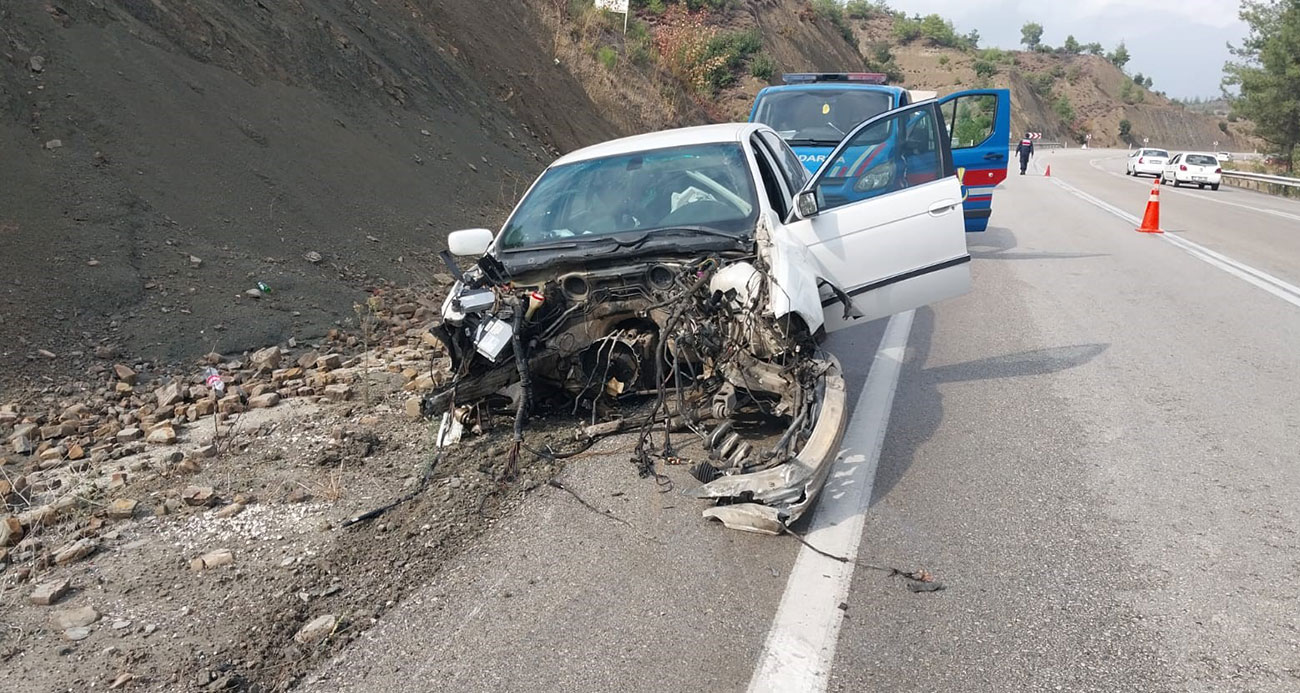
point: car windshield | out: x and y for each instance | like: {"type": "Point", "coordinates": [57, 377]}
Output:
{"type": "Point", "coordinates": [1154, 152]}
{"type": "Point", "coordinates": [1202, 160]}
{"type": "Point", "coordinates": [704, 187]}
{"type": "Point", "coordinates": [819, 116]}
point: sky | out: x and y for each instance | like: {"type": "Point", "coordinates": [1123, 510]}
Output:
{"type": "Point", "coordinates": [1180, 44]}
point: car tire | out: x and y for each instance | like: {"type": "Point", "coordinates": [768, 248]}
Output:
{"type": "Point", "coordinates": [1176, 183]}
{"type": "Point", "coordinates": [1202, 186]}
{"type": "Point", "coordinates": [1128, 172]}
{"type": "Point", "coordinates": [1214, 186]}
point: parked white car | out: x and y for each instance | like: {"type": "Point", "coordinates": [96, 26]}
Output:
{"type": "Point", "coordinates": [1147, 162]}
{"type": "Point", "coordinates": [1193, 168]}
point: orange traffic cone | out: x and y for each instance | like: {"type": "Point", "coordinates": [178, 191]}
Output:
{"type": "Point", "coordinates": [1049, 172]}
{"type": "Point", "coordinates": [1151, 220]}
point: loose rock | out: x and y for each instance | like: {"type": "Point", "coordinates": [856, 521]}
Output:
{"type": "Point", "coordinates": [50, 592]}
{"type": "Point", "coordinates": [265, 400]}
{"type": "Point", "coordinates": [122, 508]}
{"type": "Point", "coordinates": [163, 435]}
{"type": "Point", "coordinates": [75, 551]}
{"type": "Point", "coordinates": [198, 496]}
{"type": "Point", "coordinates": [213, 559]}
{"type": "Point", "coordinates": [320, 628]}
{"type": "Point", "coordinates": [78, 617]}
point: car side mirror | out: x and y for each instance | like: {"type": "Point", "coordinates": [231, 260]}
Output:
{"type": "Point", "coordinates": [469, 242]}
{"type": "Point", "coordinates": [805, 204]}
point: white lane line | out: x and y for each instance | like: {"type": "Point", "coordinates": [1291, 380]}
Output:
{"type": "Point", "coordinates": [1284, 290]}
{"type": "Point", "coordinates": [1275, 212]}
{"type": "Point", "coordinates": [800, 647]}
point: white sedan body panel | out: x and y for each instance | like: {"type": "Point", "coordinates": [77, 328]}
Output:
{"type": "Point", "coordinates": [889, 254]}
{"type": "Point", "coordinates": [1193, 173]}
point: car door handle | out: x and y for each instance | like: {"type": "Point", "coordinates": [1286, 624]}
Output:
{"type": "Point", "coordinates": [994, 156]}
{"type": "Point", "coordinates": [942, 208]}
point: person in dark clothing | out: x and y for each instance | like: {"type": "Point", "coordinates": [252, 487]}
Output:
{"type": "Point", "coordinates": [1025, 149]}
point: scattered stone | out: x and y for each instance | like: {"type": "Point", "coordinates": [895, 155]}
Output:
{"type": "Point", "coordinates": [37, 63]}
{"type": "Point", "coordinates": [78, 617]}
{"type": "Point", "coordinates": [120, 624]}
{"type": "Point", "coordinates": [213, 559]}
{"type": "Point", "coordinates": [196, 262]}
{"type": "Point", "coordinates": [313, 257]}
{"type": "Point", "coordinates": [105, 352]}
{"type": "Point", "coordinates": [47, 353]}
{"type": "Point", "coordinates": [198, 496]}
{"type": "Point", "coordinates": [268, 358]}
{"type": "Point", "coordinates": [77, 634]}
{"type": "Point", "coordinates": [338, 392]}
{"type": "Point", "coordinates": [189, 466]}
{"type": "Point", "coordinates": [253, 293]}
{"type": "Point", "coordinates": [121, 680]}
{"type": "Point", "coordinates": [129, 435]}
{"type": "Point", "coordinates": [308, 359]}
{"type": "Point", "coordinates": [170, 396]}
{"type": "Point", "coordinates": [414, 410]}
{"type": "Point", "coordinates": [163, 435]}
{"type": "Point", "coordinates": [76, 452]}
{"type": "Point", "coordinates": [265, 400]}
{"type": "Point", "coordinates": [123, 388]}
{"type": "Point", "coordinates": [54, 144]}
{"type": "Point", "coordinates": [329, 362]}
{"type": "Point", "coordinates": [122, 508]}
{"type": "Point", "coordinates": [230, 404]}
{"type": "Point", "coordinates": [59, 430]}
{"type": "Point", "coordinates": [230, 510]}
{"type": "Point", "coordinates": [50, 592]}
{"type": "Point", "coordinates": [148, 630]}
{"type": "Point", "coordinates": [124, 373]}
{"type": "Point", "coordinates": [298, 495]}
{"type": "Point", "coordinates": [75, 551]}
{"type": "Point", "coordinates": [23, 445]}
{"type": "Point", "coordinates": [206, 451]}
{"type": "Point", "coordinates": [320, 628]}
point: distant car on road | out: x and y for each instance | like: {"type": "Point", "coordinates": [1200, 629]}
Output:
{"type": "Point", "coordinates": [1147, 162]}
{"type": "Point", "coordinates": [1193, 168]}
{"type": "Point", "coordinates": [1224, 156]}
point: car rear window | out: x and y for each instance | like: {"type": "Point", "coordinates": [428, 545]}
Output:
{"type": "Point", "coordinates": [1154, 152]}
{"type": "Point", "coordinates": [1202, 160]}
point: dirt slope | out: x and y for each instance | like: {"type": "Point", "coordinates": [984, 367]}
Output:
{"type": "Point", "coordinates": [247, 134]}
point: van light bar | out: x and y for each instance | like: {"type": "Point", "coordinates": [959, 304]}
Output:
{"type": "Point", "coordinates": [809, 77]}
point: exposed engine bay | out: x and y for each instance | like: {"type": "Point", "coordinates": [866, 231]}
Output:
{"type": "Point", "coordinates": [662, 346]}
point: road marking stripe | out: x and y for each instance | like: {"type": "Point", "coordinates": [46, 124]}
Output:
{"type": "Point", "coordinates": [1265, 210]}
{"type": "Point", "coordinates": [800, 647]}
{"type": "Point", "coordinates": [1286, 291]}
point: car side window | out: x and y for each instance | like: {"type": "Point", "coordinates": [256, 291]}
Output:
{"type": "Point", "coordinates": [970, 119]}
{"type": "Point", "coordinates": [895, 152]}
{"type": "Point", "coordinates": [796, 176]}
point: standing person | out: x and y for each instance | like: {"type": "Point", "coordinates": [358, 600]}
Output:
{"type": "Point", "coordinates": [1025, 149]}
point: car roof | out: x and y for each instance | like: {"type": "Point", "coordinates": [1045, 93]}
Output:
{"type": "Point", "coordinates": [840, 86]}
{"type": "Point", "coordinates": [1209, 154]}
{"type": "Point", "coordinates": [664, 139]}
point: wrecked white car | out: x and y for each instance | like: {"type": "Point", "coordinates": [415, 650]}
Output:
{"type": "Point", "coordinates": [695, 271]}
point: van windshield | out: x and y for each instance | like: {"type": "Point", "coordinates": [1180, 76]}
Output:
{"type": "Point", "coordinates": [820, 116]}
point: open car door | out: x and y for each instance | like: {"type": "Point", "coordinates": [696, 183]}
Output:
{"type": "Point", "coordinates": [882, 219]}
{"type": "Point", "coordinates": [979, 133]}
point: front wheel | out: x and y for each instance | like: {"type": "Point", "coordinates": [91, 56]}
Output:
{"type": "Point", "coordinates": [1177, 184]}
{"type": "Point", "coordinates": [1202, 186]}
{"type": "Point", "coordinates": [1214, 186]}
{"type": "Point", "coordinates": [1128, 171]}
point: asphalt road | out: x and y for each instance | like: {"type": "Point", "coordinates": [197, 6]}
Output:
{"type": "Point", "coordinates": [1094, 451]}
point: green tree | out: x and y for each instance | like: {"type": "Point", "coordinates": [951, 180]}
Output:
{"type": "Point", "coordinates": [1064, 109]}
{"type": "Point", "coordinates": [1094, 48]}
{"type": "Point", "coordinates": [1031, 34]}
{"type": "Point", "coordinates": [1071, 45]}
{"type": "Point", "coordinates": [1148, 82]}
{"type": "Point", "coordinates": [1119, 56]}
{"type": "Point", "coordinates": [1266, 73]}
{"type": "Point", "coordinates": [1125, 130]}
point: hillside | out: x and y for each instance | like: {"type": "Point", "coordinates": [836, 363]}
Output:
{"type": "Point", "coordinates": [1044, 85]}
{"type": "Point", "coordinates": [162, 159]}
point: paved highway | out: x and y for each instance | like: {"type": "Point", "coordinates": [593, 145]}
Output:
{"type": "Point", "coordinates": [1095, 451]}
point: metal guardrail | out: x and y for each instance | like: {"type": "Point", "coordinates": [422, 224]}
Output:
{"type": "Point", "coordinates": [1264, 178]}
{"type": "Point", "coordinates": [1263, 182]}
